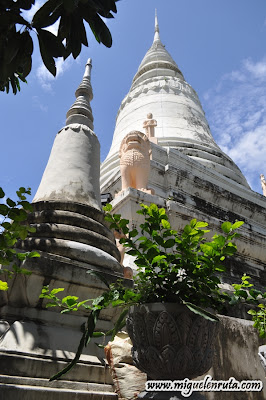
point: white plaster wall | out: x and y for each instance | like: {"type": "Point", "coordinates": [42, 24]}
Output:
{"type": "Point", "coordinates": [178, 113]}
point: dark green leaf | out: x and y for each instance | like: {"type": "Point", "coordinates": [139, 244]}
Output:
{"type": "Point", "coordinates": [133, 233]}
{"type": "Point", "coordinates": [4, 209]}
{"type": "Point", "coordinates": [99, 276]}
{"type": "Point", "coordinates": [226, 227]}
{"type": "Point", "coordinates": [46, 51]}
{"type": "Point", "coordinates": [56, 290]}
{"type": "Point", "coordinates": [165, 224]}
{"type": "Point", "coordinates": [10, 202]}
{"type": "Point", "coordinates": [157, 259]}
{"type": "Point", "coordinates": [201, 312]}
{"type": "Point", "coordinates": [69, 5]}
{"type": "Point", "coordinates": [220, 240]}
{"type": "Point", "coordinates": [169, 243]}
{"type": "Point", "coordinates": [40, 17]}
{"type": "Point", "coordinates": [237, 224]}
{"type": "Point", "coordinates": [2, 193]}
{"type": "Point", "coordinates": [100, 31]}
{"type": "Point", "coordinates": [120, 323]}
{"type": "Point", "coordinates": [207, 249]}
{"type": "Point", "coordinates": [33, 254]}
{"type": "Point", "coordinates": [200, 224]}
{"type": "Point", "coordinates": [98, 334]}
{"type": "Point", "coordinates": [25, 4]}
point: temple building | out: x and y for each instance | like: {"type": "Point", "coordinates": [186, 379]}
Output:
{"type": "Point", "coordinates": [188, 173]}
{"type": "Point", "coordinates": [163, 152]}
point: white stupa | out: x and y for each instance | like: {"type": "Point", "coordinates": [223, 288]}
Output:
{"type": "Point", "coordinates": [190, 177]}
{"type": "Point", "coordinates": [159, 88]}
{"type": "Point", "coordinates": [189, 174]}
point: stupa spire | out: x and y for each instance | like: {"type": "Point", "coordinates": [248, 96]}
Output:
{"type": "Point", "coordinates": [156, 30]}
{"type": "Point", "coordinates": [80, 112]}
{"type": "Point", "coordinates": [73, 170]}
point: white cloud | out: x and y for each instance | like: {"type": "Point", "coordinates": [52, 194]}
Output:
{"type": "Point", "coordinates": [236, 110]}
{"type": "Point", "coordinates": [37, 103]}
{"type": "Point", "coordinates": [258, 70]}
{"type": "Point", "coordinates": [45, 77]}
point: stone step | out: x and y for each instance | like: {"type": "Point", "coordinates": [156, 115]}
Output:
{"type": "Point", "coordinates": [26, 392]}
{"type": "Point", "coordinates": [13, 364]}
{"type": "Point", "coordinates": [58, 384]}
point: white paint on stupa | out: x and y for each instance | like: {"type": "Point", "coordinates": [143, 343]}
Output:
{"type": "Point", "coordinates": [73, 169]}
{"type": "Point", "coordinates": [159, 88]}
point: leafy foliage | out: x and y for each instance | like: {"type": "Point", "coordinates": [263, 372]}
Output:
{"type": "Point", "coordinates": [114, 296]}
{"type": "Point", "coordinates": [245, 292]}
{"type": "Point", "coordinates": [177, 267]}
{"type": "Point", "coordinates": [13, 227]}
{"type": "Point", "coordinates": [172, 267]}
{"type": "Point", "coordinates": [16, 44]}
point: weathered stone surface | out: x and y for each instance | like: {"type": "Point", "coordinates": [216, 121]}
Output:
{"type": "Point", "coordinates": [128, 380]}
{"type": "Point", "coordinates": [72, 172]}
{"type": "Point", "coordinates": [187, 193]}
{"type": "Point", "coordinates": [40, 343]}
{"type": "Point", "coordinates": [28, 392]}
{"type": "Point", "coordinates": [236, 354]}
{"type": "Point", "coordinates": [31, 352]}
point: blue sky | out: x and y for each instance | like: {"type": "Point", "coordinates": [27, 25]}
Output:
{"type": "Point", "coordinates": [219, 45]}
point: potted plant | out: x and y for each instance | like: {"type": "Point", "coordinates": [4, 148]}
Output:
{"type": "Point", "coordinates": [177, 281]}
{"type": "Point", "coordinates": [176, 286]}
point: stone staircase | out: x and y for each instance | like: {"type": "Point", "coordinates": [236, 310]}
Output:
{"type": "Point", "coordinates": [85, 381]}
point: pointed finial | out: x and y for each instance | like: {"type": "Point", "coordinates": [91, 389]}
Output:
{"type": "Point", "coordinates": [156, 34]}
{"type": "Point", "coordinates": [87, 73]}
{"type": "Point", "coordinates": [156, 21]}
{"type": "Point", "coordinates": [80, 112]}
{"type": "Point", "coordinates": [85, 86]}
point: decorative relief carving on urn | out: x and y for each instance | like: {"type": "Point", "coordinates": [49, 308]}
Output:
{"type": "Point", "coordinates": [263, 184]}
{"type": "Point", "coordinates": [171, 342]}
{"type": "Point", "coordinates": [135, 161]}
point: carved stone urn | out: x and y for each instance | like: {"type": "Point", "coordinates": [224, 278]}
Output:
{"type": "Point", "coordinates": [170, 342]}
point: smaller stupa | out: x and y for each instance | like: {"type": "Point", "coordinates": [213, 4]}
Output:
{"type": "Point", "coordinates": [72, 239]}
